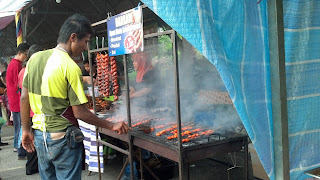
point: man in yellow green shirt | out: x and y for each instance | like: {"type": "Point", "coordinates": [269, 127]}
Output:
{"type": "Point", "coordinates": [52, 87]}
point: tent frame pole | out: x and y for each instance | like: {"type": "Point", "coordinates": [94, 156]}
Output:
{"type": "Point", "coordinates": [278, 89]}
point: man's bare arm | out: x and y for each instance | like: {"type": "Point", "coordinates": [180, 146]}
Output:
{"type": "Point", "coordinates": [27, 135]}
{"type": "Point", "coordinates": [25, 110]}
{"type": "Point", "coordinates": [81, 112]}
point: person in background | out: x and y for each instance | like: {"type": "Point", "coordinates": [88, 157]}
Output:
{"type": "Point", "coordinates": [13, 70]}
{"type": "Point", "coordinates": [32, 158]}
{"type": "Point", "coordinates": [146, 80]}
{"type": "Point", "coordinates": [3, 65]}
{"type": "Point", "coordinates": [86, 73]}
{"type": "Point", "coordinates": [3, 91]}
{"type": "Point", "coordinates": [52, 87]}
{"type": "Point", "coordinates": [86, 68]}
{"type": "Point", "coordinates": [5, 101]}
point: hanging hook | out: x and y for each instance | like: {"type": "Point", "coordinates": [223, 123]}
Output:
{"type": "Point", "coordinates": [234, 162]}
{"type": "Point", "coordinates": [97, 42]}
{"type": "Point", "coordinates": [109, 15]}
{"type": "Point", "coordinates": [102, 41]}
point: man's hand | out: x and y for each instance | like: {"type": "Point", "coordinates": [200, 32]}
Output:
{"type": "Point", "coordinates": [28, 141]}
{"type": "Point", "coordinates": [120, 127]}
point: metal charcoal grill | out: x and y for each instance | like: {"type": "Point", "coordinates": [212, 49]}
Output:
{"type": "Point", "coordinates": [146, 126]}
{"type": "Point", "coordinates": [218, 142]}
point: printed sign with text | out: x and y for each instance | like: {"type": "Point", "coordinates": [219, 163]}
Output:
{"type": "Point", "coordinates": [125, 32]}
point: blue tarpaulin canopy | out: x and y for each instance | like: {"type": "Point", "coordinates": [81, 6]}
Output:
{"type": "Point", "coordinates": [233, 35]}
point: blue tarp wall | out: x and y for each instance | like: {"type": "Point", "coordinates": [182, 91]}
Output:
{"type": "Point", "coordinates": [233, 35]}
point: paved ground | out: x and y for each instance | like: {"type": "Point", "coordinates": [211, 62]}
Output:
{"type": "Point", "coordinates": [13, 169]}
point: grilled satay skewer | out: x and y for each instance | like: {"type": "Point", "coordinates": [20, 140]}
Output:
{"type": "Point", "coordinates": [114, 77]}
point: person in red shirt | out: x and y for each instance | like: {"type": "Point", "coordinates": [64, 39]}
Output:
{"type": "Point", "coordinates": [13, 93]}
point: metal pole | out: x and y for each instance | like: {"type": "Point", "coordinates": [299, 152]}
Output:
{"type": "Point", "coordinates": [278, 88]}
{"type": "Point", "coordinates": [178, 113]}
{"type": "Point", "coordinates": [92, 83]}
{"type": "Point", "coordinates": [94, 108]}
{"type": "Point", "coordinates": [122, 170]}
{"type": "Point", "coordinates": [245, 144]}
{"type": "Point", "coordinates": [38, 25]}
{"type": "Point", "coordinates": [113, 147]}
{"type": "Point", "coordinates": [25, 25]}
{"type": "Point", "coordinates": [128, 114]}
{"type": "Point", "coordinates": [141, 166]}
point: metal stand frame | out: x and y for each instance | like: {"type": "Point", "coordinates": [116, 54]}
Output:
{"type": "Point", "coordinates": [183, 171]}
{"type": "Point", "coordinates": [126, 152]}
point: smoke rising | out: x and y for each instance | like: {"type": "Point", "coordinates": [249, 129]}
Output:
{"type": "Point", "coordinates": [204, 101]}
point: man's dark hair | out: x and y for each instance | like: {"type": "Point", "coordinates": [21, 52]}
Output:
{"type": "Point", "coordinates": [33, 49]}
{"type": "Point", "coordinates": [23, 47]}
{"type": "Point", "coordinates": [86, 61]}
{"type": "Point", "coordinates": [75, 24]}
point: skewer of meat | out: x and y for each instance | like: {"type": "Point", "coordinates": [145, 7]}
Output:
{"type": "Point", "coordinates": [114, 77]}
{"type": "Point", "coordinates": [107, 76]}
{"type": "Point", "coordinates": [99, 60]}
{"type": "Point", "coordinates": [103, 74]}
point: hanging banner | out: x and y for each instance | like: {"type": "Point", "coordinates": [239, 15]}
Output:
{"type": "Point", "coordinates": [18, 28]}
{"type": "Point", "coordinates": [125, 32]}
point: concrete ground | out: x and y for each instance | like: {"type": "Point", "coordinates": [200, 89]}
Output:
{"type": "Point", "coordinates": [13, 169]}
